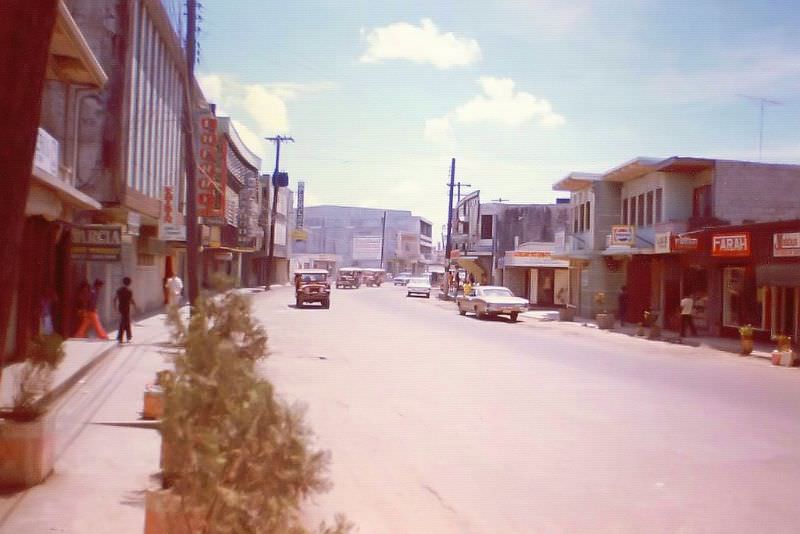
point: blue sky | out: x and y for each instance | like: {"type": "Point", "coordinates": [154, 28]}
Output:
{"type": "Point", "coordinates": [380, 95]}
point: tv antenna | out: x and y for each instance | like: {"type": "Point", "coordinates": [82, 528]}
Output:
{"type": "Point", "coordinates": [761, 101]}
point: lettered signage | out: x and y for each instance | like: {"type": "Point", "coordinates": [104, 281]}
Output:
{"type": "Point", "coordinates": [731, 245]}
{"type": "Point", "coordinates": [212, 169]}
{"type": "Point", "coordinates": [787, 244]}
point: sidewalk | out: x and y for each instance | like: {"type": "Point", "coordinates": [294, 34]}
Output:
{"type": "Point", "coordinates": [102, 468]}
{"type": "Point", "coordinates": [760, 349]}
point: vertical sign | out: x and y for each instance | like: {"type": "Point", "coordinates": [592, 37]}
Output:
{"type": "Point", "coordinates": [212, 169]}
{"type": "Point", "coordinates": [301, 193]}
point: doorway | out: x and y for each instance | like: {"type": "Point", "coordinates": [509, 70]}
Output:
{"type": "Point", "coordinates": [786, 309]}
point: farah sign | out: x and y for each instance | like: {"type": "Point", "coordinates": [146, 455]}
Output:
{"type": "Point", "coordinates": [731, 245]}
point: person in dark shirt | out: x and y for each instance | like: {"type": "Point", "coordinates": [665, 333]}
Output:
{"type": "Point", "coordinates": [124, 300]}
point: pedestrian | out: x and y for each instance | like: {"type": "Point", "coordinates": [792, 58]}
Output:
{"type": "Point", "coordinates": [467, 288]}
{"type": "Point", "coordinates": [622, 305]}
{"type": "Point", "coordinates": [87, 307]}
{"type": "Point", "coordinates": [687, 319]}
{"type": "Point", "coordinates": [123, 301]}
{"type": "Point", "coordinates": [174, 287]}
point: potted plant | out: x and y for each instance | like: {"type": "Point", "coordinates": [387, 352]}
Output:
{"type": "Point", "coordinates": [26, 435]}
{"type": "Point", "coordinates": [650, 320]}
{"type": "Point", "coordinates": [239, 459]}
{"type": "Point", "coordinates": [605, 320]}
{"type": "Point", "coordinates": [783, 353]}
{"type": "Point", "coordinates": [567, 313]}
{"type": "Point", "coordinates": [746, 339]}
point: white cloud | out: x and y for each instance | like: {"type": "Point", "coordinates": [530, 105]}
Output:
{"type": "Point", "coordinates": [420, 44]}
{"type": "Point", "coordinates": [252, 140]}
{"type": "Point", "coordinates": [499, 104]}
{"type": "Point", "coordinates": [267, 108]}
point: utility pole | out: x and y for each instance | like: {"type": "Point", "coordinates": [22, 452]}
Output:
{"type": "Point", "coordinates": [501, 199]}
{"type": "Point", "coordinates": [383, 237]}
{"type": "Point", "coordinates": [192, 237]}
{"type": "Point", "coordinates": [449, 244]}
{"type": "Point", "coordinates": [458, 188]}
{"type": "Point", "coordinates": [278, 139]}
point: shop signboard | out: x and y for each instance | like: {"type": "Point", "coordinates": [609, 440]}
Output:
{"type": "Point", "coordinates": [734, 245]}
{"type": "Point", "coordinates": [46, 155]}
{"type": "Point", "coordinates": [663, 242]}
{"type": "Point", "coordinates": [622, 235]}
{"type": "Point", "coordinates": [97, 242]}
{"type": "Point", "coordinates": [211, 168]}
{"type": "Point", "coordinates": [299, 212]}
{"type": "Point", "coordinates": [786, 244]}
{"type": "Point", "coordinates": [367, 248]}
{"type": "Point", "coordinates": [533, 258]}
{"type": "Point", "coordinates": [299, 234]}
{"type": "Point", "coordinates": [685, 244]}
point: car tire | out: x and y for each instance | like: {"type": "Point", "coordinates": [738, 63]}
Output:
{"type": "Point", "coordinates": [298, 303]}
{"type": "Point", "coordinates": [461, 312]}
{"type": "Point", "coordinates": [427, 296]}
{"type": "Point", "coordinates": [513, 316]}
{"type": "Point", "coordinates": [326, 304]}
{"type": "Point", "coordinates": [478, 314]}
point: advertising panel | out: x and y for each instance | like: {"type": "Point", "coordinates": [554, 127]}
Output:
{"type": "Point", "coordinates": [622, 235]}
{"type": "Point", "coordinates": [731, 245]}
{"type": "Point", "coordinates": [663, 242]}
{"type": "Point", "coordinates": [211, 169]}
{"type": "Point", "coordinates": [786, 244]}
{"type": "Point", "coordinates": [367, 248]}
{"type": "Point", "coordinates": [97, 242]}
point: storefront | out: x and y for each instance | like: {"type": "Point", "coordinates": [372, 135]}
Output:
{"type": "Point", "coordinates": [531, 272]}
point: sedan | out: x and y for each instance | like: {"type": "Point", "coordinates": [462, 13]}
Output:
{"type": "Point", "coordinates": [402, 279]}
{"type": "Point", "coordinates": [419, 286]}
{"type": "Point", "coordinates": [486, 301]}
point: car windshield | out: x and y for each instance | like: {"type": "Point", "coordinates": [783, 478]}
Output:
{"type": "Point", "coordinates": [419, 281]}
{"type": "Point", "coordinates": [313, 277]}
{"type": "Point", "coordinates": [496, 292]}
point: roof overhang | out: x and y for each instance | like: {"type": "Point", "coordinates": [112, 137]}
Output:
{"type": "Point", "coordinates": [71, 60]}
{"type": "Point", "coordinates": [636, 168]}
{"type": "Point", "coordinates": [626, 251]}
{"type": "Point", "coordinates": [575, 181]}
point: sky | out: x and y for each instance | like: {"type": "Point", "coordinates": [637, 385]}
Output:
{"type": "Point", "coordinates": [380, 95]}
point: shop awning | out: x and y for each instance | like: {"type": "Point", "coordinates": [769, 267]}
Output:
{"type": "Point", "coordinates": [71, 59]}
{"type": "Point", "coordinates": [778, 274]}
{"type": "Point", "coordinates": [470, 264]}
{"type": "Point", "coordinates": [626, 251]}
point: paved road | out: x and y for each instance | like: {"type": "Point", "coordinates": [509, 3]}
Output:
{"type": "Point", "coordinates": [439, 423]}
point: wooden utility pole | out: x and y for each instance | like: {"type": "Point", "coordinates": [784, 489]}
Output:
{"type": "Point", "coordinates": [25, 28]}
{"type": "Point", "coordinates": [192, 234]}
{"type": "Point", "coordinates": [275, 187]}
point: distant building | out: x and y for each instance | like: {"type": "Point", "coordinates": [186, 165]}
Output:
{"type": "Point", "coordinates": [354, 236]}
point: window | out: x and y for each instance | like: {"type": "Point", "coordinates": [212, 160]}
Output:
{"type": "Point", "coordinates": [582, 223]}
{"type": "Point", "coordinates": [486, 226]}
{"type": "Point", "coordinates": [701, 206]}
{"type": "Point", "coordinates": [575, 219]}
{"type": "Point", "coordinates": [632, 214]}
{"type": "Point", "coordinates": [659, 205]}
{"type": "Point", "coordinates": [588, 215]}
{"type": "Point", "coordinates": [625, 211]}
{"type": "Point", "coordinates": [640, 210]}
{"type": "Point", "coordinates": [650, 209]}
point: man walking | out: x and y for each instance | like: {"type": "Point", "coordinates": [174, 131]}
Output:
{"type": "Point", "coordinates": [687, 308]}
{"type": "Point", "coordinates": [89, 318]}
{"type": "Point", "coordinates": [124, 300]}
{"type": "Point", "coordinates": [174, 287]}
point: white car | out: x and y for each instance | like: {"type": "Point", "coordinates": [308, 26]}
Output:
{"type": "Point", "coordinates": [402, 279]}
{"type": "Point", "coordinates": [419, 286]}
{"type": "Point", "coordinates": [491, 300]}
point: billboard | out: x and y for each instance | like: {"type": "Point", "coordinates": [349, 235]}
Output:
{"type": "Point", "coordinates": [212, 169]}
{"type": "Point", "coordinates": [367, 248]}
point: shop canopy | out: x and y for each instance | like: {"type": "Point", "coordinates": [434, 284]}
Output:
{"type": "Point", "coordinates": [470, 264]}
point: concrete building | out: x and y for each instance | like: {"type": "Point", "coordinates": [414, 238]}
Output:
{"type": "Point", "coordinates": [362, 237]}
{"type": "Point", "coordinates": [512, 245]}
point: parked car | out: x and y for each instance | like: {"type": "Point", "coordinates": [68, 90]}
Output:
{"type": "Point", "coordinates": [402, 279]}
{"type": "Point", "coordinates": [491, 300]}
{"type": "Point", "coordinates": [419, 286]}
{"type": "Point", "coordinates": [312, 285]}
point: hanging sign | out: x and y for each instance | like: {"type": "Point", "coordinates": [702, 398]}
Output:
{"type": "Point", "coordinates": [622, 235]}
{"type": "Point", "coordinates": [211, 169]}
{"type": "Point", "coordinates": [731, 245]}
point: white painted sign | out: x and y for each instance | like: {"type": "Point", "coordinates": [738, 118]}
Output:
{"type": "Point", "coordinates": [367, 248]}
{"type": "Point", "coordinates": [46, 155]}
{"type": "Point", "coordinates": [622, 234]}
{"type": "Point", "coordinates": [786, 245]}
{"type": "Point", "coordinates": [663, 242]}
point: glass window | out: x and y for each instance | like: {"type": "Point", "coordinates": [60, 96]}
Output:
{"type": "Point", "coordinates": [486, 226]}
{"type": "Point", "coordinates": [582, 224]}
{"type": "Point", "coordinates": [588, 215]}
{"type": "Point", "coordinates": [575, 219]}
{"type": "Point", "coordinates": [625, 211]}
{"type": "Point", "coordinates": [650, 210]}
{"type": "Point", "coordinates": [640, 210]}
{"type": "Point", "coordinates": [632, 214]}
{"type": "Point", "coordinates": [659, 205]}
{"type": "Point", "coordinates": [742, 302]}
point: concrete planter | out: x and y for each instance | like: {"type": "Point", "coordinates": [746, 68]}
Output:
{"type": "Point", "coordinates": [566, 314]}
{"type": "Point", "coordinates": [784, 358]}
{"type": "Point", "coordinates": [26, 452]}
{"type": "Point", "coordinates": [605, 321]}
{"type": "Point", "coordinates": [165, 515]}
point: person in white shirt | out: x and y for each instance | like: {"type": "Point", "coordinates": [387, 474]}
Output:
{"type": "Point", "coordinates": [687, 308]}
{"type": "Point", "coordinates": [174, 287]}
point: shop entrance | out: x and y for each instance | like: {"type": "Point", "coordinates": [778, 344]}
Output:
{"type": "Point", "coordinates": [785, 311]}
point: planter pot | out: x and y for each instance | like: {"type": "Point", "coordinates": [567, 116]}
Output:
{"type": "Point", "coordinates": [655, 332]}
{"type": "Point", "coordinates": [640, 331]}
{"type": "Point", "coordinates": [784, 358]}
{"type": "Point", "coordinates": [165, 515]}
{"type": "Point", "coordinates": [566, 314]}
{"type": "Point", "coordinates": [26, 452]}
{"type": "Point", "coordinates": [747, 345]}
{"type": "Point", "coordinates": [167, 464]}
{"type": "Point", "coordinates": [605, 321]}
{"type": "Point", "coordinates": [153, 403]}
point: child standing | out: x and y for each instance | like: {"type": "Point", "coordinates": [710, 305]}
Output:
{"type": "Point", "coordinates": [124, 300]}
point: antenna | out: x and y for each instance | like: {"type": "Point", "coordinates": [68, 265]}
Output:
{"type": "Point", "coordinates": [761, 101]}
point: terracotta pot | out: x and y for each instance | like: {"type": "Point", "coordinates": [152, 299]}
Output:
{"type": "Point", "coordinates": [605, 321]}
{"type": "Point", "coordinates": [26, 452]}
{"type": "Point", "coordinates": [153, 403]}
{"type": "Point", "coordinates": [165, 515]}
{"type": "Point", "coordinates": [747, 345]}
